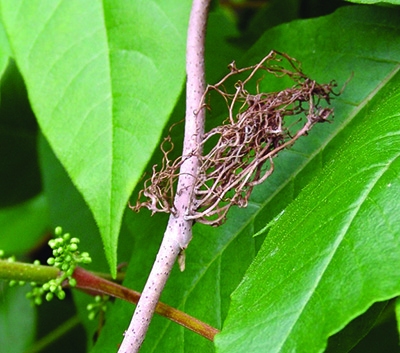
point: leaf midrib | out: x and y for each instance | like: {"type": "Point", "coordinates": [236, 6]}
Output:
{"type": "Point", "coordinates": [110, 183]}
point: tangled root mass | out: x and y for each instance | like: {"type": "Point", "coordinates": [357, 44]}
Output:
{"type": "Point", "coordinates": [255, 130]}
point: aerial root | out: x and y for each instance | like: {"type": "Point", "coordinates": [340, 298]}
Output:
{"type": "Point", "coordinates": [258, 126]}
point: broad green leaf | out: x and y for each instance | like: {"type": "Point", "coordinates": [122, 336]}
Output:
{"type": "Point", "coordinates": [334, 252]}
{"type": "Point", "coordinates": [217, 258]}
{"type": "Point", "coordinates": [21, 226]}
{"type": "Point", "coordinates": [102, 77]}
{"type": "Point", "coordinates": [17, 319]}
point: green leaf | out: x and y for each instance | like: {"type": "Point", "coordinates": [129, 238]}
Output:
{"type": "Point", "coordinates": [17, 319]}
{"type": "Point", "coordinates": [218, 257]}
{"type": "Point", "coordinates": [102, 78]}
{"type": "Point", "coordinates": [21, 226]}
{"type": "Point", "coordinates": [334, 252]}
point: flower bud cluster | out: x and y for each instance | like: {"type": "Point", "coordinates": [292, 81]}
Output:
{"type": "Point", "coordinates": [99, 305]}
{"type": "Point", "coordinates": [65, 253]}
{"type": "Point", "coordinates": [65, 257]}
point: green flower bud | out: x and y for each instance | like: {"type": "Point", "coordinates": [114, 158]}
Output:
{"type": "Point", "coordinates": [38, 301]}
{"type": "Point", "coordinates": [51, 261]}
{"type": "Point", "coordinates": [53, 288]}
{"type": "Point", "coordinates": [70, 272]}
{"type": "Point", "coordinates": [58, 231]}
{"type": "Point", "coordinates": [66, 236]}
{"type": "Point", "coordinates": [1, 253]}
{"type": "Point", "coordinates": [75, 241]}
{"type": "Point", "coordinates": [92, 315]}
{"type": "Point", "coordinates": [72, 282]}
{"type": "Point", "coordinates": [90, 307]}
{"type": "Point", "coordinates": [52, 243]}
{"type": "Point", "coordinates": [29, 295]}
{"type": "Point", "coordinates": [21, 283]}
{"type": "Point", "coordinates": [97, 298]}
{"type": "Point", "coordinates": [65, 267]}
{"type": "Point", "coordinates": [49, 296]}
{"type": "Point", "coordinates": [73, 247]}
{"type": "Point", "coordinates": [12, 283]}
{"type": "Point", "coordinates": [61, 294]}
{"type": "Point", "coordinates": [86, 260]}
{"type": "Point", "coordinates": [36, 262]}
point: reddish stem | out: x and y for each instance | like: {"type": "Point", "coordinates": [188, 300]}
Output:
{"type": "Point", "coordinates": [96, 285]}
{"type": "Point", "coordinates": [179, 229]}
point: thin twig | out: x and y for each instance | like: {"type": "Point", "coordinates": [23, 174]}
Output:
{"type": "Point", "coordinates": [179, 230]}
